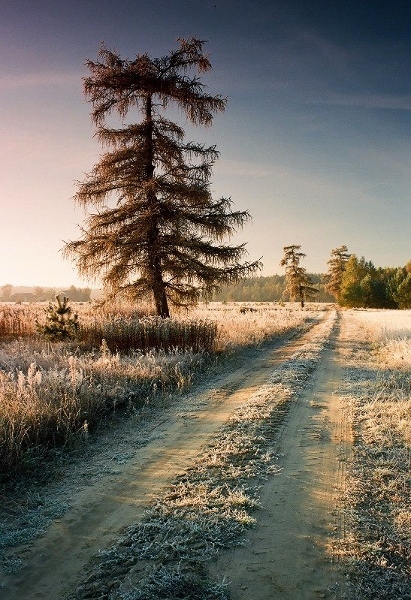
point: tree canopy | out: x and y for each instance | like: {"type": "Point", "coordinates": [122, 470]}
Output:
{"type": "Point", "coordinates": [164, 236]}
{"type": "Point", "coordinates": [365, 286]}
{"type": "Point", "coordinates": [357, 284]}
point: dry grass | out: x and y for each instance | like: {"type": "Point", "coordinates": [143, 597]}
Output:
{"type": "Point", "coordinates": [122, 326]}
{"type": "Point", "coordinates": [379, 500]}
{"type": "Point", "coordinates": [53, 395]}
{"type": "Point", "coordinates": [240, 329]}
{"type": "Point", "coordinates": [61, 397]}
{"type": "Point", "coordinates": [123, 334]}
{"type": "Point", "coordinates": [18, 320]}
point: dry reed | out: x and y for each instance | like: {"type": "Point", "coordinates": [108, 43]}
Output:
{"type": "Point", "coordinates": [52, 395]}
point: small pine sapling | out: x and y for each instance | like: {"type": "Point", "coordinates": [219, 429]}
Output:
{"type": "Point", "coordinates": [60, 324]}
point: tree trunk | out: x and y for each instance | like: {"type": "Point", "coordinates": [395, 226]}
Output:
{"type": "Point", "coordinates": [302, 296]}
{"type": "Point", "coordinates": [158, 286]}
{"type": "Point", "coordinates": [160, 298]}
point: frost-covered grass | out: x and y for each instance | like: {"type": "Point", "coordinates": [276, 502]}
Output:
{"type": "Point", "coordinates": [247, 324]}
{"type": "Point", "coordinates": [379, 486]}
{"type": "Point", "coordinates": [59, 397]}
{"type": "Point", "coordinates": [52, 395]}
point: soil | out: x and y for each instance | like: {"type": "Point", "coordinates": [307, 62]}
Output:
{"type": "Point", "coordinates": [289, 554]}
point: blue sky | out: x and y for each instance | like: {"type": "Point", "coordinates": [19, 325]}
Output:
{"type": "Point", "coordinates": [314, 143]}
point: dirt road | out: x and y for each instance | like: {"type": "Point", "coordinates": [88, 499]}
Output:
{"type": "Point", "coordinates": [289, 554]}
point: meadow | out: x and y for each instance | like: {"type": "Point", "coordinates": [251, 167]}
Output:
{"type": "Point", "coordinates": [54, 394]}
{"type": "Point", "coordinates": [378, 505]}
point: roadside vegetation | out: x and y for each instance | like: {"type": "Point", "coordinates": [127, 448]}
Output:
{"type": "Point", "coordinates": [53, 394]}
{"type": "Point", "coordinates": [378, 506]}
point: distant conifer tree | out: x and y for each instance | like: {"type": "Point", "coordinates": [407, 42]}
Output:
{"type": "Point", "coordinates": [336, 268]}
{"type": "Point", "coordinates": [298, 283]}
{"type": "Point", "coordinates": [163, 237]}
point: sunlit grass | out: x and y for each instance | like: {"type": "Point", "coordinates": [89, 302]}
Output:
{"type": "Point", "coordinates": [266, 319]}
{"type": "Point", "coordinates": [378, 497]}
{"type": "Point", "coordinates": [52, 394]}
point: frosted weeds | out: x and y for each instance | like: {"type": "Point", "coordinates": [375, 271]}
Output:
{"type": "Point", "coordinates": [50, 395]}
{"type": "Point", "coordinates": [379, 482]}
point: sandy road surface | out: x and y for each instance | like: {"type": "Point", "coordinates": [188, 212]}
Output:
{"type": "Point", "coordinates": [286, 556]}
{"type": "Point", "coordinates": [290, 552]}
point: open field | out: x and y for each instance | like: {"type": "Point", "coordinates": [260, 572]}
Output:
{"type": "Point", "coordinates": [282, 472]}
{"type": "Point", "coordinates": [53, 395]}
{"type": "Point", "coordinates": [377, 390]}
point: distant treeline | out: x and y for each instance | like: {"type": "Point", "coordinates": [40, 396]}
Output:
{"type": "Point", "coordinates": [8, 293]}
{"type": "Point", "coordinates": [365, 286]}
{"type": "Point", "coordinates": [359, 285]}
{"type": "Point", "coordinates": [267, 289]}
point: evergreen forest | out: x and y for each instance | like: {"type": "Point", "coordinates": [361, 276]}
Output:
{"type": "Point", "coordinates": [361, 285]}
{"type": "Point", "coordinates": [267, 289]}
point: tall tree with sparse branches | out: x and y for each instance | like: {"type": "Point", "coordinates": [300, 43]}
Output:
{"type": "Point", "coordinates": [336, 267]}
{"type": "Point", "coordinates": [163, 235]}
{"type": "Point", "coordinates": [298, 282]}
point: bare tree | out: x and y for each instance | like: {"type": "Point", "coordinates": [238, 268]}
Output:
{"type": "Point", "coordinates": [298, 282]}
{"type": "Point", "coordinates": [164, 236]}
